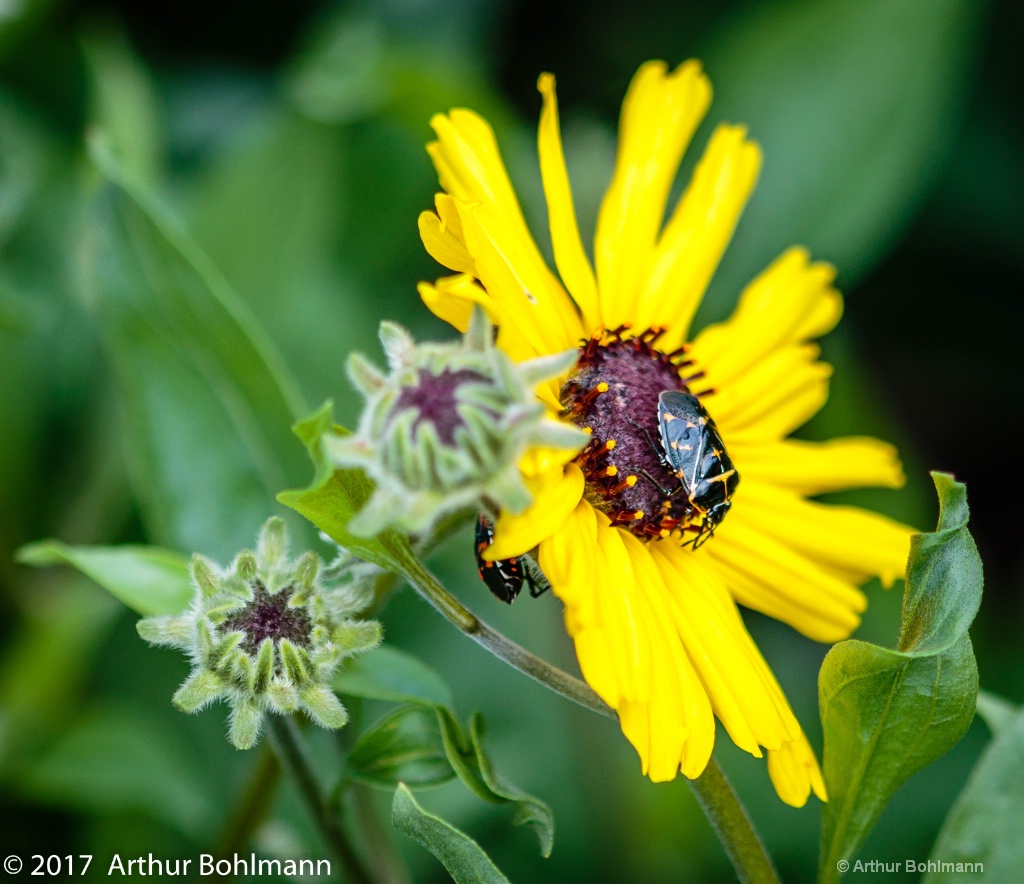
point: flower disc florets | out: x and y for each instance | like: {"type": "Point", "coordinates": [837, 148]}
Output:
{"type": "Point", "coordinates": [265, 636]}
{"type": "Point", "coordinates": [445, 429]}
{"type": "Point", "coordinates": [613, 394]}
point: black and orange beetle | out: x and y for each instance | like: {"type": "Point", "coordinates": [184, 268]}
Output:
{"type": "Point", "coordinates": [504, 577]}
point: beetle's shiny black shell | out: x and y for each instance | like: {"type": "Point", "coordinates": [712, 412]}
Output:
{"type": "Point", "coordinates": [694, 451]}
{"type": "Point", "coordinates": [504, 578]}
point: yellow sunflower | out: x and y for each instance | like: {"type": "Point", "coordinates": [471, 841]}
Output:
{"type": "Point", "coordinates": [657, 631]}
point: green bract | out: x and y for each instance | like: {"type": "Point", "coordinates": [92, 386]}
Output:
{"type": "Point", "coordinates": [265, 635]}
{"type": "Point", "coordinates": [447, 426]}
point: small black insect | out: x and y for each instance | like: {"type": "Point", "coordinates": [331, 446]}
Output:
{"type": "Point", "coordinates": [692, 449]}
{"type": "Point", "coordinates": [505, 577]}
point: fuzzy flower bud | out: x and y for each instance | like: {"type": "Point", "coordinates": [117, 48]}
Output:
{"type": "Point", "coordinates": [445, 429]}
{"type": "Point", "coordinates": [265, 636]}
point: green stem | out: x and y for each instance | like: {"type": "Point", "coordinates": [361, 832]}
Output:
{"type": "Point", "coordinates": [251, 808]}
{"type": "Point", "coordinates": [728, 817]}
{"type": "Point", "coordinates": [721, 804]}
{"type": "Point", "coordinates": [287, 742]}
{"type": "Point", "coordinates": [505, 649]}
{"type": "Point", "coordinates": [383, 858]}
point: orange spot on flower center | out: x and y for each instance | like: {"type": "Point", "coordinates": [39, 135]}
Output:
{"type": "Point", "coordinates": [613, 396]}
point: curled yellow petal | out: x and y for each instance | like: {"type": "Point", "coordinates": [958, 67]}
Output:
{"type": "Point", "coordinates": [442, 236]}
{"type": "Point", "coordinates": [543, 461]}
{"type": "Point", "coordinates": [506, 259]}
{"type": "Point", "coordinates": [452, 298]}
{"type": "Point", "coordinates": [569, 561]}
{"type": "Point", "coordinates": [591, 573]}
{"type": "Point", "coordinates": [795, 773]}
{"type": "Point", "coordinates": [790, 302]}
{"type": "Point", "coordinates": [555, 495]}
{"type": "Point", "coordinates": [675, 728]}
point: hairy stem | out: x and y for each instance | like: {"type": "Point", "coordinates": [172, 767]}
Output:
{"type": "Point", "coordinates": [729, 819]}
{"type": "Point", "coordinates": [251, 807]}
{"type": "Point", "coordinates": [288, 744]}
{"type": "Point", "coordinates": [505, 649]}
{"type": "Point", "coordinates": [721, 804]}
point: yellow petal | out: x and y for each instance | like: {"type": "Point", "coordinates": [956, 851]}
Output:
{"type": "Point", "coordinates": [469, 164]}
{"type": "Point", "coordinates": [700, 228]}
{"type": "Point", "coordinates": [539, 461]}
{"type": "Point", "coordinates": [604, 613]}
{"type": "Point", "coordinates": [767, 575]}
{"type": "Point", "coordinates": [471, 170]}
{"type": "Point", "coordinates": [772, 398]}
{"type": "Point", "coordinates": [675, 728]}
{"type": "Point", "coordinates": [626, 642]}
{"type": "Point", "coordinates": [660, 113]}
{"type": "Point", "coordinates": [624, 613]}
{"type": "Point", "coordinates": [451, 299]}
{"type": "Point", "coordinates": [816, 467]}
{"type": "Point", "coordinates": [570, 256]}
{"type": "Point", "coordinates": [790, 302]}
{"type": "Point", "coordinates": [853, 540]}
{"type": "Point", "coordinates": [555, 495]}
{"type": "Point", "coordinates": [794, 771]}
{"type": "Point", "coordinates": [513, 274]}
{"type": "Point", "coordinates": [442, 236]}
{"type": "Point", "coordinates": [796, 400]}
{"type": "Point", "coordinates": [743, 692]}
{"type": "Point", "coordinates": [569, 561]}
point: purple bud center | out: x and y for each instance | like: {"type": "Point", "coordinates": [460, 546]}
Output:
{"type": "Point", "coordinates": [268, 616]}
{"type": "Point", "coordinates": [435, 397]}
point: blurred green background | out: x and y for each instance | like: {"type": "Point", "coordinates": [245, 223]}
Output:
{"type": "Point", "coordinates": [285, 142]}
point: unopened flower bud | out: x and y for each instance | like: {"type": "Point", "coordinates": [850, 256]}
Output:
{"type": "Point", "coordinates": [265, 636]}
{"type": "Point", "coordinates": [446, 427]}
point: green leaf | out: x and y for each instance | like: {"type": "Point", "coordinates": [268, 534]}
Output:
{"type": "Point", "coordinates": [339, 77]}
{"type": "Point", "coordinates": [984, 824]}
{"type": "Point", "coordinates": [473, 767]}
{"type": "Point", "coordinates": [404, 746]}
{"type": "Point", "coordinates": [116, 762]}
{"type": "Point", "coordinates": [464, 859]}
{"type": "Point", "coordinates": [286, 261]}
{"type": "Point", "coordinates": [386, 673]}
{"type": "Point", "coordinates": [529, 811]}
{"type": "Point", "coordinates": [207, 399]}
{"type": "Point", "coordinates": [944, 577]}
{"type": "Point", "coordinates": [856, 104]}
{"type": "Point", "coordinates": [996, 711]}
{"type": "Point", "coordinates": [887, 714]}
{"type": "Point", "coordinates": [149, 580]}
{"type": "Point", "coordinates": [123, 101]}
{"type": "Point", "coordinates": [335, 496]}
{"type": "Point", "coordinates": [46, 663]}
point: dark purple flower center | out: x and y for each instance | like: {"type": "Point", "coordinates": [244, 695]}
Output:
{"type": "Point", "coordinates": [435, 396]}
{"type": "Point", "coordinates": [268, 616]}
{"type": "Point", "coordinates": [614, 393]}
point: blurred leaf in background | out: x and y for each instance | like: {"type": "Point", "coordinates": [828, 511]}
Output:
{"type": "Point", "coordinates": [284, 148]}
